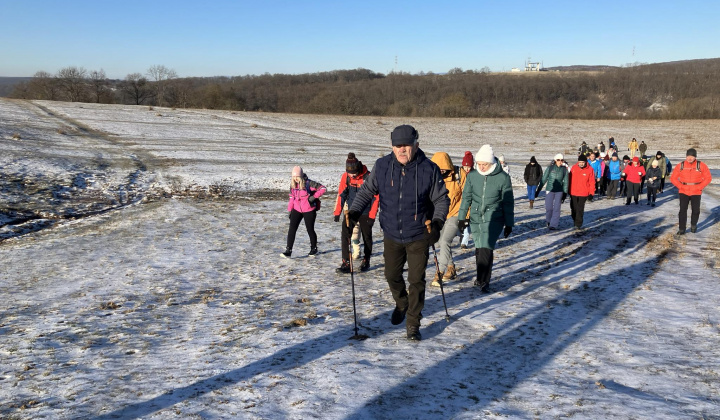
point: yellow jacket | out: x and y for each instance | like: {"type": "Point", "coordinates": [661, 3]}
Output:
{"type": "Point", "coordinates": [454, 181]}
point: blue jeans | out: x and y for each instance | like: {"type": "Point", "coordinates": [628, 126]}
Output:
{"type": "Point", "coordinates": [531, 192]}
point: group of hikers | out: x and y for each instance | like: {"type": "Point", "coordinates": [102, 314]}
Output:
{"type": "Point", "coordinates": [423, 202]}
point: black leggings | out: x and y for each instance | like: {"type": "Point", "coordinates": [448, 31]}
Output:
{"type": "Point", "coordinates": [295, 218]}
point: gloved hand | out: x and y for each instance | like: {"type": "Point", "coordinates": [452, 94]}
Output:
{"type": "Point", "coordinates": [590, 197]}
{"type": "Point", "coordinates": [354, 218]}
{"type": "Point", "coordinates": [337, 218]}
{"type": "Point", "coordinates": [564, 196]}
{"type": "Point", "coordinates": [371, 222]}
{"type": "Point", "coordinates": [311, 199]}
{"type": "Point", "coordinates": [289, 215]}
{"type": "Point", "coordinates": [462, 224]}
{"type": "Point", "coordinates": [434, 234]}
{"type": "Point", "coordinates": [508, 230]}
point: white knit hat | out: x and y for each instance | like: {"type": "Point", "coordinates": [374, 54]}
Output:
{"type": "Point", "coordinates": [485, 154]}
{"type": "Point", "coordinates": [501, 158]}
{"type": "Point", "coordinates": [559, 156]}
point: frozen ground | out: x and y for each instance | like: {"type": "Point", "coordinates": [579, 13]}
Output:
{"type": "Point", "coordinates": [140, 270]}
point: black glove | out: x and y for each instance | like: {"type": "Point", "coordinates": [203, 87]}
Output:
{"type": "Point", "coordinates": [289, 215]}
{"type": "Point", "coordinates": [371, 222]}
{"type": "Point", "coordinates": [462, 224]}
{"type": "Point", "coordinates": [564, 196]}
{"type": "Point", "coordinates": [337, 218]}
{"type": "Point", "coordinates": [354, 217]}
{"type": "Point", "coordinates": [312, 199]}
{"type": "Point", "coordinates": [508, 230]}
{"type": "Point", "coordinates": [434, 235]}
{"type": "Point", "coordinates": [590, 197]}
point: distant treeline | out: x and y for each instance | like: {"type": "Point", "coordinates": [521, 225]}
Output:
{"type": "Point", "coordinates": [675, 90]}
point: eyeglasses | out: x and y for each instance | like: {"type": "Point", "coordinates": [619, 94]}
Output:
{"type": "Point", "coordinates": [558, 160]}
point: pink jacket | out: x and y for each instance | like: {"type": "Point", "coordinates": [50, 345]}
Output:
{"type": "Point", "coordinates": [299, 197]}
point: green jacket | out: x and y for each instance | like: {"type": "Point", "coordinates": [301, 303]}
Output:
{"type": "Point", "coordinates": [556, 178]}
{"type": "Point", "coordinates": [491, 203]}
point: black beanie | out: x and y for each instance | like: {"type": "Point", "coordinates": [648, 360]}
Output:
{"type": "Point", "coordinates": [582, 158]}
{"type": "Point", "coordinates": [352, 165]}
{"type": "Point", "coordinates": [403, 134]}
{"type": "Point", "coordinates": [659, 153]}
{"type": "Point", "coordinates": [691, 152]}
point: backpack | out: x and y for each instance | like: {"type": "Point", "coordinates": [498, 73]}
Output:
{"type": "Point", "coordinates": [307, 188]}
{"type": "Point", "coordinates": [697, 165]}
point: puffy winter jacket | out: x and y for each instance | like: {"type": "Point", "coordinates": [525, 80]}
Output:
{"type": "Point", "coordinates": [489, 198]}
{"type": "Point", "coordinates": [634, 173]}
{"type": "Point", "coordinates": [347, 191]}
{"type": "Point", "coordinates": [597, 167]}
{"type": "Point", "coordinates": [299, 196]}
{"type": "Point", "coordinates": [615, 168]}
{"type": "Point", "coordinates": [688, 179]}
{"type": "Point", "coordinates": [533, 174]}
{"type": "Point", "coordinates": [653, 173]}
{"type": "Point", "coordinates": [454, 182]}
{"type": "Point", "coordinates": [582, 180]}
{"type": "Point", "coordinates": [410, 194]}
{"type": "Point", "coordinates": [556, 178]}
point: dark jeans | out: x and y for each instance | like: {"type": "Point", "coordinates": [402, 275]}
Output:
{"type": "Point", "coordinates": [633, 191]}
{"type": "Point", "coordinates": [346, 233]}
{"type": "Point", "coordinates": [483, 264]}
{"type": "Point", "coordinates": [295, 218]}
{"type": "Point", "coordinates": [694, 202]}
{"type": "Point", "coordinates": [577, 209]}
{"type": "Point", "coordinates": [612, 188]}
{"type": "Point", "coordinates": [416, 255]}
{"type": "Point", "coordinates": [652, 192]}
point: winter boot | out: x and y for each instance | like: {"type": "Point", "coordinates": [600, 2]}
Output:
{"type": "Point", "coordinates": [413, 333]}
{"type": "Point", "coordinates": [450, 273]}
{"type": "Point", "coordinates": [398, 316]}
{"type": "Point", "coordinates": [484, 287]}
{"type": "Point", "coordinates": [344, 268]}
{"type": "Point", "coordinates": [287, 253]}
{"type": "Point", "coordinates": [365, 264]}
{"type": "Point", "coordinates": [531, 203]}
{"type": "Point", "coordinates": [313, 251]}
{"type": "Point", "coordinates": [436, 280]}
{"type": "Point", "coordinates": [693, 229]}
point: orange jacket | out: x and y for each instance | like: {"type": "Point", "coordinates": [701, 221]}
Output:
{"type": "Point", "coordinates": [454, 183]}
{"type": "Point", "coordinates": [347, 189]}
{"type": "Point", "coordinates": [582, 181]}
{"type": "Point", "coordinates": [688, 180]}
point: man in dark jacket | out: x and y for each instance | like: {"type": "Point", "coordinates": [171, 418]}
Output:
{"type": "Point", "coordinates": [411, 191]}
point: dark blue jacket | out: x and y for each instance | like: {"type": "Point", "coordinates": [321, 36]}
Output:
{"type": "Point", "coordinates": [409, 195]}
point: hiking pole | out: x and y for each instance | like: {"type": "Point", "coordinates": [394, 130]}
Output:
{"type": "Point", "coordinates": [352, 281]}
{"type": "Point", "coordinates": [439, 275]}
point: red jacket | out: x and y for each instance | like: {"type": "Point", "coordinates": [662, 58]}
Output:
{"type": "Point", "coordinates": [582, 181]}
{"type": "Point", "coordinates": [688, 180]}
{"type": "Point", "coordinates": [634, 173]}
{"type": "Point", "coordinates": [347, 190]}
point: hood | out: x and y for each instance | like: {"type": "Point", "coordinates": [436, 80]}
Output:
{"type": "Point", "coordinates": [533, 160]}
{"type": "Point", "coordinates": [442, 160]}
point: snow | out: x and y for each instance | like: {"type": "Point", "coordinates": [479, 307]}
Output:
{"type": "Point", "coordinates": [139, 261]}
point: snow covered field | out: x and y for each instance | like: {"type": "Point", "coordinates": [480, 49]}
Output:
{"type": "Point", "coordinates": [141, 277]}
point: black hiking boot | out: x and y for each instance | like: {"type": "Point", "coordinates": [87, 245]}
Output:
{"type": "Point", "coordinates": [313, 251]}
{"type": "Point", "coordinates": [413, 333]}
{"type": "Point", "coordinates": [680, 232]}
{"type": "Point", "coordinates": [365, 264]}
{"type": "Point", "coordinates": [398, 316]}
{"type": "Point", "coordinates": [693, 229]}
{"type": "Point", "coordinates": [484, 287]}
{"type": "Point", "coordinates": [287, 253]}
{"type": "Point", "coordinates": [344, 268]}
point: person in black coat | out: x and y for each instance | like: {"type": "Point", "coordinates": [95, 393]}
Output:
{"type": "Point", "coordinates": [533, 176]}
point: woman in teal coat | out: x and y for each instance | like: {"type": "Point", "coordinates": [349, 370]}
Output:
{"type": "Point", "coordinates": [488, 195]}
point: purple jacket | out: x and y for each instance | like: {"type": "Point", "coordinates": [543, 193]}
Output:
{"type": "Point", "coordinates": [299, 196]}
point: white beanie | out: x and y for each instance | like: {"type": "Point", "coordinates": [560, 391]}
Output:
{"type": "Point", "coordinates": [485, 154]}
{"type": "Point", "coordinates": [559, 156]}
{"type": "Point", "coordinates": [501, 158]}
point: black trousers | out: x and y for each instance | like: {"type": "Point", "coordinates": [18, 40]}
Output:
{"type": "Point", "coordinates": [483, 264]}
{"type": "Point", "coordinates": [577, 209]}
{"type": "Point", "coordinates": [295, 218]}
{"type": "Point", "coordinates": [416, 255]}
{"type": "Point", "coordinates": [652, 192]}
{"type": "Point", "coordinates": [612, 188]}
{"type": "Point", "coordinates": [694, 202]}
{"type": "Point", "coordinates": [365, 229]}
{"type": "Point", "coordinates": [633, 191]}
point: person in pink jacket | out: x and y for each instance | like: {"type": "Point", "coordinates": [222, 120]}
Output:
{"type": "Point", "coordinates": [303, 205]}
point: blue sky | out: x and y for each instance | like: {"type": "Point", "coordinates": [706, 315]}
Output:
{"type": "Point", "coordinates": [229, 38]}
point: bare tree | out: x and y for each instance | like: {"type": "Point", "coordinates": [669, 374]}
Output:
{"type": "Point", "coordinates": [44, 86]}
{"type": "Point", "coordinates": [160, 75]}
{"type": "Point", "coordinates": [73, 83]}
{"type": "Point", "coordinates": [135, 86]}
{"type": "Point", "coordinates": [98, 85]}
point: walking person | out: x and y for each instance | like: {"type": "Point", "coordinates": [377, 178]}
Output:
{"type": "Point", "coordinates": [303, 205]}
{"type": "Point", "coordinates": [467, 165]}
{"type": "Point", "coordinates": [623, 179]}
{"type": "Point", "coordinates": [488, 195]}
{"type": "Point", "coordinates": [653, 176]}
{"type": "Point", "coordinates": [504, 165]}
{"type": "Point", "coordinates": [614, 174]}
{"type": "Point", "coordinates": [633, 147]}
{"type": "Point", "coordinates": [597, 166]}
{"type": "Point", "coordinates": [557, 180]}
{"type": "Point", "coordinates": [668, 171]}
{"type": "Point", "coordinates": [582, 187]}
{"type": "Point", "coordinates": [411, 191]}
{"type": "Point", "coordinates": [454, 179]}
{"type": "Point", "coordinates": [690, 178]}
{"type": "Point", "coordinates": [533, 176]}
{"type": "Point", "coordinates": [642, 147]}
{"type": "Point", "coordinates": [633, 176]}
{"type": "Point", "coordinates": [350, 183]}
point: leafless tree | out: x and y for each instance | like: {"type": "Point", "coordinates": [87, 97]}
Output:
{"type": "Point", "coordinates": [160, 75]}
{"type": "Point", "coordinates": [44, 86]}
{"type": "Point", "coordinates": [98, 85]}
{"type": "Point", "coordinates": [136, 87]}
{"type": "Point", "coordinates": [73, 83]}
